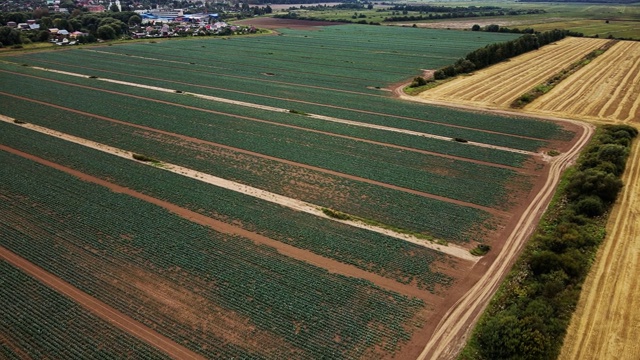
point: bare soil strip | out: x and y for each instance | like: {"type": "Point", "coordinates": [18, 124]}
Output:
{"type": "Point", "coordinates": [492, 211]}
{"type": "Point", "coordinates": [606, 323]}
{"type": "Point", "coordinates": [313, 116]}
{"type": "Point", "coordinates": [99, 308]}
{"type": "Point", "coordinates": [608, 89]}
{"type": "Point", "coordinates": [281, 200]}
{"type": "Point", "coordinates": [330, 265]}
{"type": "Point", "coordinates": [451, 333]}
{"type": "Point", "coordinates": [501, 84]}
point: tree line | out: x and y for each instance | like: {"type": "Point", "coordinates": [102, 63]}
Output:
{"type": "Point", "coordinates": [529, 315]}
{"type": "Point", "coordinates": [497, 52]}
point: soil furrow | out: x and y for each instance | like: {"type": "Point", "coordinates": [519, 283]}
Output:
{"type": "Point", "coordinates": [99, 308]}
{"type": "Point", "coordinates": [330, 265]}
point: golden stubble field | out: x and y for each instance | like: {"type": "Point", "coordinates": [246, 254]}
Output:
{"type": "Point", "coordinates": [499, 85]}
{"type": "Point", "coordinates": [606, 324]}
{"type": "Point", "coordinates": [607, 89]}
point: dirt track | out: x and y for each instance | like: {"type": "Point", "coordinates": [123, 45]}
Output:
{"type": "Point", "coordinates": [606, 324]}
{"type": "Point", "coordinates": [451, 333]}
{"type": "Point", "coordinates": [99, 308]}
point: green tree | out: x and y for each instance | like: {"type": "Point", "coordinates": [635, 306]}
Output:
{"type": "Point", "coordinates": [114, 8]}
{"type": "Point", "coordinates": [475, 27]}
{"type": "Point", "coordinates": [106, 32]}
{"type": "Point", "coordinates": [135, 20]}
{"type": "Point", "coordinates": [9, 36]}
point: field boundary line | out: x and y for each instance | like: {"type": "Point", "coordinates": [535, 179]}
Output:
{"type": "Point", "coordinates": [101, 309]}
{"type": "Point", "coordinates": [294, 204]}
{"type": "Point", "coordinates": [453, 329]}
{"type": "Point", "coordinates": [281, 110]}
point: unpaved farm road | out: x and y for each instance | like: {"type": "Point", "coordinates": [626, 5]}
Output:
{"type": "Point", "coordinates": [99, 308]}
{"type": "Point", "coordinates": [453, 330]}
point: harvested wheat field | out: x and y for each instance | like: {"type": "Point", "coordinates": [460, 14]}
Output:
{"type": "Point", "coordinates": [606, 324]}
{"type": "Point", "coordinates": [608, 89]}
{"type": "Point", "coordinates": [501, 84]}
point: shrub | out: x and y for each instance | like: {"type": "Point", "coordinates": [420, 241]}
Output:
{"type": "Point", "coordinates": [144, 158]}
{"type": "Point", "coordinates": [336, 214]}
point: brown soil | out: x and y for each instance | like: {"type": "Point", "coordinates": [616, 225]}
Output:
{"type": "Point", "coordinates": [99, 308]}
{"type": "Point", "coordinates": [606, 322]}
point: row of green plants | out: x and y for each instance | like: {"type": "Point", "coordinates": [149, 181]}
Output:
{"type": "Point", "coordinates": [364, 100]}
{"type": "Point", "coordinates": [529, 315]}
{"type": "Point", "coordinates": [115, 232]}
{"type": "Point", "coordinates": [461, 180]}
{"type": "Point", "coordinates": [41, 323]}
{"type": "Point", "coordinates": [139, 71]}
{"type": "Point", "coordinates": [386, 256]}
{"type": "Point", "coordinates": [199, 73]}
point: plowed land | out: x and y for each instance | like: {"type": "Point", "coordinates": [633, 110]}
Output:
{"type": "Point", "coordinates": [500, 85]}
{"type": "Point", "coordinates": [608, 89]}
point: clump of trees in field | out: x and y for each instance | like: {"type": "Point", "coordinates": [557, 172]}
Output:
{"type": "Point", "coordinates": [529, 315]}
{"type": "Point", "coordinates": [495, 53]}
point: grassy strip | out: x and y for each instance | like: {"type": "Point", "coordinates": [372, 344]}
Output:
{"type": "Point", "coordinates": [544, 88]}
{"type": "Point", "coordinates": [344, 216]}
{"type": "Point", "coordinates": [529, 315]}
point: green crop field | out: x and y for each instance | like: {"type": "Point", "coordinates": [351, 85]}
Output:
{"type": "Point", "coordinates": [49, 325]}
{"type": "Point", "coordinates": [307, 285]}
{"type": "Point", "coordinates": [114, 231]}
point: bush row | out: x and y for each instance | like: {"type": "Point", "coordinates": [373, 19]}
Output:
{"type": "Point", "coordinates": [529, 315]}
{"type": "Point", "coordinates": [495, 53]}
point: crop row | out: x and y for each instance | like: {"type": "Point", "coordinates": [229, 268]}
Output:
{"type": "Point", "coordinates": [109, 69]}
{"type": "Point", "coordinates": [42, 323]}
{"type": "Point", "coordinates": [455, 179]}
{"type": "Point", "coordinates": [373, 252]}
{"type": "Point", "coordinates": [388, 206]}
{"type": "Point", "coordinates": [393, 110]}
{"type": "Point", "coordinates": [361, 56]}
{"type": "Point", "coordinates": [114, 233]}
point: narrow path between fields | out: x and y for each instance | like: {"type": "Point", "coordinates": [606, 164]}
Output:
{"type": "Point", "coordinates": [332, 266]}
{"type": "Point", "coordinates": [104, 311]}
{"type": "Point", "coordinates": [495, 212]}
{"type": "Point", "coordinates": [281, 200]}
{"type": "Point", "coordinates": [454, 328]}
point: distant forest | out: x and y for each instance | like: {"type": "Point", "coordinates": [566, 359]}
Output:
{"type": "Point", "coordinates": [588, 1]}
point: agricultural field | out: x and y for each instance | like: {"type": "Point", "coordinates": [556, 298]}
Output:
{"type": "Point", "coordinates": [486, 87]}
{"type": "Point", "coordinates": [607, 90]}
{"type": "Point", "coordinates": [222, 194]}
{"type": "Point", "coordinates": [601, 326]}
{"type": "Point", "coordinates": [594, 20]}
